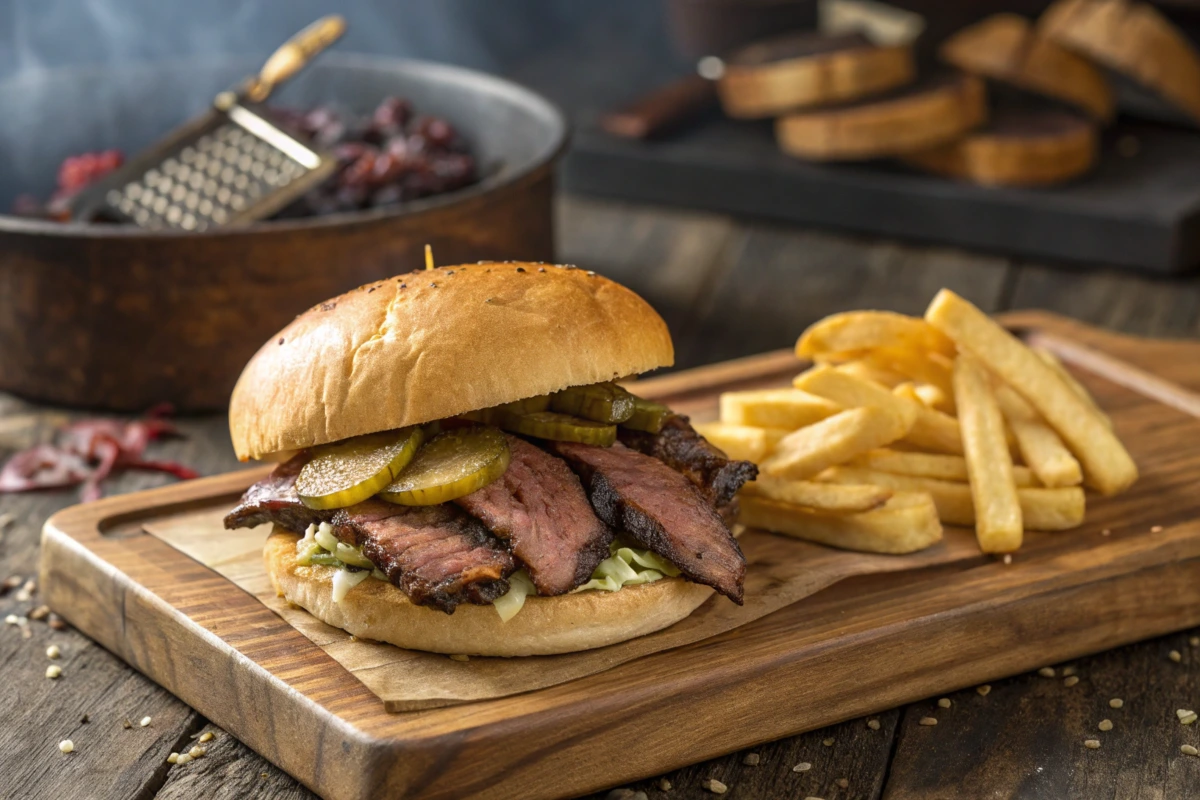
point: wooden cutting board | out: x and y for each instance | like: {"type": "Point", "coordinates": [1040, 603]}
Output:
{"type": "Point", "coordinates": [860, 646]}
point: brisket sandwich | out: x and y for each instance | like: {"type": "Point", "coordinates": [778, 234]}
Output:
{"type": "Point", "coordinates": [458, 472]}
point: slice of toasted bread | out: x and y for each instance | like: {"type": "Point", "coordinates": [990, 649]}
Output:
{"type": "Point", "coordinates": [808, 70]}
{"type": "Point", "coordinates": [936, 111]}
{"type": "Point", "coordinates": [1133, 39]}
{"type": "Point", "coordinates": [1008, 49]}
{"type": "Point", "coordinates": [1018, 148]}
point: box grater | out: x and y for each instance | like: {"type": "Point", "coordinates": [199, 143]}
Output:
{"type": "Point", "coordinates": [231, 166]}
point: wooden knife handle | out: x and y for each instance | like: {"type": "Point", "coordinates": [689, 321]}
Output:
{"type": "Point", "coordinates": [662, 109]}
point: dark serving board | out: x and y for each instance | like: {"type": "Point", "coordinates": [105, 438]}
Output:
{"type": "Point", "coordinates": [860, 646]}
{"type": "Point", "coordinates": [1140, 212]}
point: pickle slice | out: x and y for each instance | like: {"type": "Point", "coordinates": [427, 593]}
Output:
{"type": "Point", "coordinates": [602, 402]}
{"type": "Point", "coordinates": [453, 464]}
{"type": "Point", "coordinates": [349, 472]}
{"type": "Point", "coordinates": [493, 415]}
{"type": "Point", "coordinates": [647, 415]}
{"type": "Point", "coordinates": [561, 428]}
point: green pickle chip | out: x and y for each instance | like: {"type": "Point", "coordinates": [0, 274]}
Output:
{"type": "Point", "coordinates": [561, 428]}
{"type": "Point", "coordinates": [348, 472]}
{"type": "Point", "coordinates": [601, 402]}
{"type": "Point", "coordinates": [453, 464]}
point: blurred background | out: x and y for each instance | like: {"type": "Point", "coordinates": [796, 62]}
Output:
{"type": "Point", "coordinates": [748, 165]}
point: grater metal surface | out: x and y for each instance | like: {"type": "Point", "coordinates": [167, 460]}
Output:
{"type": "Point", "coordinates": [237, 169]}
{"type": "Point", "coordinates": [231, 166]}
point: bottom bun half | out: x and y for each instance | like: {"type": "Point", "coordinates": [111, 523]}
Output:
{"type": "Point", "coordinates": [545, 626]}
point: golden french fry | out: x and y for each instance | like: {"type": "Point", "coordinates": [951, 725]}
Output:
{"type": "Point", "coordinates": [932, 430]}
{"type": "Point", "coordinates": [933, 369]}
{"type": "Point", "coordinates": [1041, 509]}
{"type": "Point", "coordinates": [805, 452]}
{"type": "Point", "coordinates": [906, 523]}
{"type": "Point", "coordinates": [1107, 465]}
{"type": "Point", "coordinates": [851, 391]}
{"type": "Point", "coordinates": [929, 465]}
{"type": "Point", "coordinates": [1052, 361]}
{"type": "Point", "coordinates": [934, 398]}
{"type": "Point", "coordinates": [998, 525]}
{"type": "Point", "coordinates": [861, 369]}
{"type": "Point", "coordinates": [741, 442]}
{"type": "Point", "coordinates": [775, 408]}
{"type": "Point", "coordinates": [1040, 446]}
{"type": "Point", "coordinates": [820, 496]}
{"type": "Point", "coordinates": [866, 330]}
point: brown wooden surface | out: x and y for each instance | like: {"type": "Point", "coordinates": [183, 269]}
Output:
{"type": "Point", "coordinates": [727, 289]}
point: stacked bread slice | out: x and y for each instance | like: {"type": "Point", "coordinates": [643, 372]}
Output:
{"type": "Point", "coordinates": [1022, 107]}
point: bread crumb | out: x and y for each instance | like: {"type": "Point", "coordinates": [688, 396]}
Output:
{"type": "Point", "coordinates": [715, 786]}
{"type": "Point", "coordinates": [803, 766]}
{"type": "Point", "coordinates": [1091, 744]}
{"type": "Point", "coordinates": [751, 759]}
{"type": "Point", "coordinates": [928, 721]}
{"type": "Point", "coordinates": [1116, 702]}
{"type": "Point", "coordinates": [1105, 725]}
{"type": "Point", "coordinates": [984, 690]}
{"type": "Point", "coordinates": [944, 702]}
{"type": "Point", "coordinates": [66, 746]}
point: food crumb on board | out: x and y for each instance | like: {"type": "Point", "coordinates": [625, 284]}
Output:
{"type": "Point", "coordinates": [984, 690]}
{"type": "Point", "coordinates": [1194, 641]}
{"type": "Point", "coordinates": [206, 736]}
{"type": "Point", "coordinates": [1067, 671]}
{"type": "Point", "coordinates": [664, 785]}
{"type": "Point", "coordinates": [1186, 717]}
{"type": "Point", "coordinates": [843, 782]}
{"type": "Point", "coordinates": [751, 759]}
{"type": "Point", "coordinates": [873, 724]}
{"type": "Point", "coordinates": [183, 759]}
{"type": "Point", "coordinates": [1175, 656]}
{"type": "Point", "coordinates": [1105, 725]}
{"type": "Point", "coordinates": [803, 766]}
{"type": "Point", "coordinates": [145, 722]}
{"type": "Point", "coordinates": [197, 751]}
{"type": "Point", "coordinates": [715, 786]}
{"type": "Point", "coordinates": [1116, 702]}
{"type": "Point", "coordinates": [928, 721]}
{"type": "Point", "coordinates": [66, 746]}
{"type": "Point", "coordinates": [53, 652]}
{"type": "Point", "coordinates": [171, 759]}
{"type": "Point", "coordinates": [1091, 744]}
{"type": "Point", "coordinates": [12, 619]}
{"type": "Point", "coordinates": [827, 742]}
{"type": "Point", "coordinates": [53, 671]}
{"type": "Point", "coordinates": [1008, 558]}
{"type": "Point", "coordinates": [1046, 672]}
{"type": "Point", "coordinates": [944, 702]}
{"type": "Point", "coordinates": [1071, 681]}
{"type": "Point", "coordinates": [1189, 750]}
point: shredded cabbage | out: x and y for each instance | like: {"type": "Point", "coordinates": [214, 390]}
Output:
{"type": "Point", "coordinates": [344, 580]}
{"type": "Point", "coordinates": [618, 570]}
{"type": "Point", "coordinates": [625, 566]}
{"type": "Point", "coordinates": [519, 587]}
{"type": "Point", "coordinates": [319, 539]}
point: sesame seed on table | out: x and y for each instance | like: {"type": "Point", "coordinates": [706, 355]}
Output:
{"type": "Point", "coordinates": [726, 288]}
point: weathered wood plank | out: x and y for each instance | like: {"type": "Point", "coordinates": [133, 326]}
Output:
{"type": "Point", "coordinates": [1026, 738]}
{"type": "Point", "coordinates": [1131, 303]}
{"type": "Point", "coordinates": [857, 755]}
{"type": "Point", "coordinates": [36, 713]}
{"type": "Point", "coordinates": [781, 280]}
{"type": "Point", "coordinates": [228, 771]}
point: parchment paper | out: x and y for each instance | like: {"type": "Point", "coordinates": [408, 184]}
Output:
{"type": "Point", "coordinates": [780, 571]}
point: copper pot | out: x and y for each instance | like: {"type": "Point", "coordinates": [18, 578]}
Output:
{"type": "Point", "coordinates": [121, 318]}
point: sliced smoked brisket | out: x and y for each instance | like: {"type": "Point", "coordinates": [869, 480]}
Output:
{"type": "Point", "coordinates": [274, 499]}
{"type": "Point", "coordinates": [437, 555]}
{"type": "Point", "coordinates": [540, 507]}
{"type": "Point", "coordinates": [681, 448]}
{"type": "Point", "coordinates": [661, 509]}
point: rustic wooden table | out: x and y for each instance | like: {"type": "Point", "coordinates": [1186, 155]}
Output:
{"type": "Point", "coordinates": [727, 288]}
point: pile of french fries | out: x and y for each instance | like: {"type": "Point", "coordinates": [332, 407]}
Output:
{"type": "Point", "coordinates": [905, 424]}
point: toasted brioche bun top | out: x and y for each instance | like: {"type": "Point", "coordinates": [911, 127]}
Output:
{"type": "Point", "coordinates": [430, 345]}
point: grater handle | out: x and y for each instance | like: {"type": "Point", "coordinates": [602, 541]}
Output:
{"type": "Point", "coordinates": [294, 54]}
